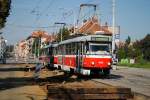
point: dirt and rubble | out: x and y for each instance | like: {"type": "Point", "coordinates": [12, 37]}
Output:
{"type": "Point", "coordinates": [62, 86]}
{"type": "Point", "coordinates": [16, 81]}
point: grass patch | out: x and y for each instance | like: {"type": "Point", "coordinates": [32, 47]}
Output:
{"type": "Point", "coordinates": [137, 65]}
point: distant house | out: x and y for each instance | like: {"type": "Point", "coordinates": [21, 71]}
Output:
{"type": "Point", "coordinates": [24, 48]}
{"type": "Point", "coordinates": [44, 36]}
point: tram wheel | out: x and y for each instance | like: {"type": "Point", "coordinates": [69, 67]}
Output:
{"type": "Point", "coordinates": [71, 71]}
{"type": "Point", "coordinates": [59, 67]}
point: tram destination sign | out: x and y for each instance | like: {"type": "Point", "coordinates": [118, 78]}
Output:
{"type": "Point", "coordinates": [100, 39]}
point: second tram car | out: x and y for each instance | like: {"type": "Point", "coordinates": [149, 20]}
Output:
{"type": "Point", "coordinates": [46, 56]}
{"type": "Point", "coordinates": [85, 55]}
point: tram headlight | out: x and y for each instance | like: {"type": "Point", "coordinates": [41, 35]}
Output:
{"type": "Point", "coordinates": [109, 63]}
{"type": "Point", "coordinates": [93, 63]}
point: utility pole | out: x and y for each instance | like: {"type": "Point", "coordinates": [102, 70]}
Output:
{"type": "Point", "coordinates": [113, 34]}
{"type": "Point", "coordinates": [113, 26]}
{"type": "Point", "coordinates": [74, 28]}
{"type": "Point", "coordinates": [61, 29]}
{"type": "Point", "coordinates": [39, 46]}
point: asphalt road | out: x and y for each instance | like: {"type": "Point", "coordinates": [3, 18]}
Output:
{"type": "Point", "coordinates": [137, 79]}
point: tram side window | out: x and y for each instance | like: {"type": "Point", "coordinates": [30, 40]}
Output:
{"type": "Point", "coordinates": [55, 50]}
{"type": "Point", "coordinates": [46, 51]}
{"type": "Point", "coordinates": [79, 47]}
{"type": "Point", "coordinates": [73, 46]}
{"type": "Point", "coordinates": [86, 47]}
{"type": "Point", "coordinates": [66, 49]}
{"type": "Point", "coordinates": [70, 49]}
{"type": "Point", "coordinates": [42, 52]}
{"type": "Point", "coordinates": [63, 50]}
{"type": "Point", "coordinates": [59, 50]}
{"type": "Point", "coordinates": [49, 51]}
{"type": "Point", "coordinates": [110, 48]}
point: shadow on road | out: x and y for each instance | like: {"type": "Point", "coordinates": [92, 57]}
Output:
{"type": "Point", "coordinates": [8, 83]}
{"type": "Point", "coordinates": [15, 69]}
{"type": "Point", "coordinates": [14, 82]}
{"type": "Point", "coordinates": [113, 76]}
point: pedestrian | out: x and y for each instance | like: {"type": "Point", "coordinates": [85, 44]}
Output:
{"type": "Point", "coordinates": [37, 71]}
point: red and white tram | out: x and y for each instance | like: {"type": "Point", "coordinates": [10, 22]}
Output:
{"type": "Point", "coordinates": [85, 55]}
{"type": "Point", "coordinates": [46, 56]}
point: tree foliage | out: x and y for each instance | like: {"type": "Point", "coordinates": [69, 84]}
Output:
{"type": "Point", "coordinates": [65, 34]}
{"type": "Point", "coordinates": [4, 11]}
{"type": "Point", "coordinates": [124, 50]}
{"type": "Point", "coordinates": [145, 47]}
{"type": "Point", "coordinates": [138, 50]}
{"type": "Point", "coordinates": [121, 53]}
{"type": "Point", "coordinates": [128, 41]}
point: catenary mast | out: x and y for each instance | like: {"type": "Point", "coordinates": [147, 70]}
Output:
{"type": "Point", "coordinates": [113, 25]}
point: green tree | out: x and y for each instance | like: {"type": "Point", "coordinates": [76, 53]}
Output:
{"type": "Point", "coordinates": [127, 47]}
{"type": "Point", "coordinates": [4, 11]}
{"type": "Point", "coordinates": [125, 50]}
{"type": "Point", "coordinates": [65, 34]}
{"type": "Point", "coordinates": [145, 47]}
{"type": "Point", "coordinates": [121, 53]}
{"type": "Point", "coordinates": [137, 52]}
{"type": "Point", "coordinates": [128, 41]}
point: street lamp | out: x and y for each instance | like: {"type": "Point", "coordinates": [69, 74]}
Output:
{"type": "Point", "coordinates": [61, 30]}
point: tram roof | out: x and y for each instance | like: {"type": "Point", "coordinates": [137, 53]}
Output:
{"type": "Point", "coordinates": [99, 38]}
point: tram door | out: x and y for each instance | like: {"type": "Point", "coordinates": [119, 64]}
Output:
{"type": "Point", "coordinates": [79, 56]}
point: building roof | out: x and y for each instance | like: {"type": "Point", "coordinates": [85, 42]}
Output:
{"type": "Point", "coordinates": [92, 26]}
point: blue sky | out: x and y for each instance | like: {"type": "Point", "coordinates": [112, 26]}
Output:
{"type": "Point", "coordinates": [133, 16]}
